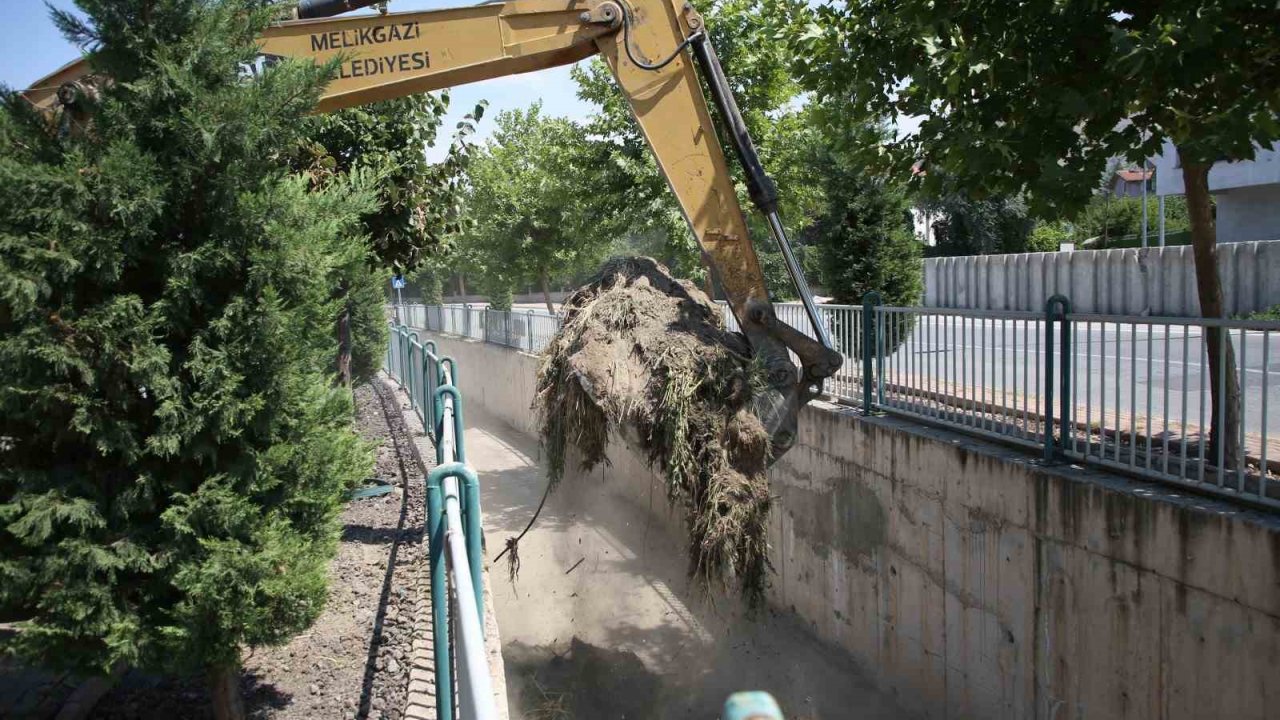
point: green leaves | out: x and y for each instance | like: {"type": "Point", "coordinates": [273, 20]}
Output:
{"type": "Point", "coordinates": [172, 454]}
{"type": "Point", "coordinates": [537, 202]}
{"type": "Point", "coordinates": [1037, 97]}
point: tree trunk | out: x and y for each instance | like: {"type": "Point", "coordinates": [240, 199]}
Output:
{"type": "Point", "coordinates": [462, 288]}
{"type": "Point", "coordinates": [344, 345]}
{"type": "Point", "coordinates": [1224, 437]}
{"type": "Point", "coordinates": [82, 701]}
{"type": "Point", "coordinates": [546, 292]}
{"type": "Point", "coordinates": [224, 688]}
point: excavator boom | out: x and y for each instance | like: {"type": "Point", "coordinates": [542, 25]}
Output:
{"type": "Point", "coordinates": [645, 44]}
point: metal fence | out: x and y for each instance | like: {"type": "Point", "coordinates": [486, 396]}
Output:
{"type": "Point", "coordinates": [1122, 392]}
{"type": "Point", "coordinates": [454, 527]}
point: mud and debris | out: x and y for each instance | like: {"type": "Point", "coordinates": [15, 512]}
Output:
{"type": "Point", "coordinates": [646, 356]}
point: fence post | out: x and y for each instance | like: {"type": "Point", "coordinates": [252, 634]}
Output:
{"type": "Point", "coordinates": [453, 371]}
{"type": "Point", "coordinates": [439, 593]}
{"type": "Point", "coordinates": [869, 301]}
{"type": "Point", "coordinates": [431, 380]}
{"type": "Point", "coordinates": [1060, 303]}
{"type": "Point", "coordinates": [402, 339]}
{"type": "Point", "coordinates": [473, 530]}
{"type": "Point", "coordinates": [528, 327]}
{"type": "Point", "coordinates": [458, 446]}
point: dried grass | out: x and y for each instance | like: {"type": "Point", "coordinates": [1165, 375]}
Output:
{"type": "Point", "coordinates": [641, 350]}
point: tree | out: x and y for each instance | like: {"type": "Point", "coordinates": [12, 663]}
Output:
{"type": "Point", "coordinates": [864, 235]}
{"type": "Point", "coordinates": [534, 203]}
{"type": "Point", "coordinates": [866, 242]}
{"type": "Point", "coordinates": [418, 208]}
{"type": "Point", "coordinates": [758, 69]}
{"type": "Point", "coordinates": [173, 453]}
{"type": "Point", "coordinates": [1115, 218]}
{"type": "Point", "coordinates": [980, 227]}
{"type": "Point", "coordinates": [1036, 97]}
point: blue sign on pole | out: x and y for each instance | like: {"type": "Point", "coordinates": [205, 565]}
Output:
{"type": "Point", "coordinates": [397, 282]}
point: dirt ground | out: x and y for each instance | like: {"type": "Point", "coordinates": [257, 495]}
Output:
{"type": "Point", "coordinates": [354, 663]}
{"type": "Point", "coordinates": [602, 622]}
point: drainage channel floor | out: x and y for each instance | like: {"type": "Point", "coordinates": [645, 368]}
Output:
{"type": "Point", "coordinates": [601, 621]}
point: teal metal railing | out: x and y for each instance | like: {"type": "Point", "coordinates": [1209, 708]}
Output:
{"type": "Point", "coordinates": [454, 530]}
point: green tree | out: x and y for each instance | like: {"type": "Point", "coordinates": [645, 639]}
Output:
{"type": "Point", "coordinates": [1048, 236]}
{"type": "Point", "coordinates": [1036, 97]}
{"type": "Point", "coordinates": [418, 208]}
{"type": "Point", "coordinates": [534, 202]}
{"type": "Point", "coordinates": [866, 242]}
{"type": "Point", "coordinates": [980, 227]}
{"type": "Point", "coordinates": [758, 69]}
{"type": "Point", "coordinates": [173, 455]}
{"type": "Point", "coordinates": [1115, 218]}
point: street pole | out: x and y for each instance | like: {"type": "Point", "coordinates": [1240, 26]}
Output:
{"type": "Point", "coordinates": [1161, 202]}
{"type": "Point", "coordinates": [399, 302]}
{"type": "Point", "coordinates": [1144, 203]}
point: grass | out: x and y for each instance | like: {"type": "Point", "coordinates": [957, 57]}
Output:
{"type": "Point", "coordinates": [1171, 239]}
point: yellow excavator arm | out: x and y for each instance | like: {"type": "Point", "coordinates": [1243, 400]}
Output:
{"type": "Point", "coordinates": [651, 47]}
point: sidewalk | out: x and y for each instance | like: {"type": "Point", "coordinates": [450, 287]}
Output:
{"type": "Point", "coordinates": [601, 621]}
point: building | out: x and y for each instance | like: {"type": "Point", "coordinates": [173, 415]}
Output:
{"type": "Point", "coordinates": [1247, 193]}
{"type": "Point", "coordinates": [1128, 182]}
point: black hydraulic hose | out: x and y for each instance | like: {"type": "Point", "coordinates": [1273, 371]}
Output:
{"type": "Point", "coordinates": [626, 43]}
{"type": "Point", "coordinates": [309, 9]}
{"type": "Point", "coordinates": [760, 186]}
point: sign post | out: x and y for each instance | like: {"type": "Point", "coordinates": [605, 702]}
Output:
{"type": "Point", "coordinates": [397, 283]}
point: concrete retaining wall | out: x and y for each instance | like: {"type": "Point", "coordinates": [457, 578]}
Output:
{"type": "Point", "coordinates": [973, 583]}
{"type": "Point", "coordinates": [1152, 281]}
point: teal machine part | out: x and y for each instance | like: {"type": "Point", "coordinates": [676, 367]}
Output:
{"type": "Point", "coordinates": [754, 705]}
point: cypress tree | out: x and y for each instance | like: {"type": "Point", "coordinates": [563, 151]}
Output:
{"type": "Point", "coordinates": [172, 450]}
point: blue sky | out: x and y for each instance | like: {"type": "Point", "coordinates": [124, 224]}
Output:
{"type": "Point", "coordinates": [30, 48]}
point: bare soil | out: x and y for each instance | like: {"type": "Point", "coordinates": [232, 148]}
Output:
{"type": "Point", "coordinates": [354, 662]}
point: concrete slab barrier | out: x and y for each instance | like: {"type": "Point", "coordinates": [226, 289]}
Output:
{"type": "Point", "coordinates": [1149, 281]}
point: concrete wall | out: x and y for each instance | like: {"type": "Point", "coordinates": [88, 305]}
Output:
{"type": "Point", "coordinates": [1249, 213]}
{"type": "Point", "coordinates": [1154, 281]}
{"type": "Point", "coordinates": [973, 583]}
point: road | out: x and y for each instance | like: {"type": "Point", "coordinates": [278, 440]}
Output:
{"type": "Point", "coordinates": [1136, 370]}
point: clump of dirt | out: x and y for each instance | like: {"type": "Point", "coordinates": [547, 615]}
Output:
{"type": "Point", "coordinates": [646, 354]}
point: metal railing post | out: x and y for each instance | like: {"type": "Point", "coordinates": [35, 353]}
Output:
{"type": "Point", "coordinates": [474, 530]}
{"type": "Point", "coordinates": [869, 301]}
{"type": "Point", "coordinates": [413, 385]}
{"type": "Point", "coordinates": [1054, 450]}
{"type": "Point", "coordinates": [439, 594]}
{"type": "Point", "coordinates": [431, 373]}
{"type": "Point", "coordinates": [453, 392]}
{"type": "Point", "coordinates": [452, 378]}
{"type": "Point", "coordinates": [404, 362]}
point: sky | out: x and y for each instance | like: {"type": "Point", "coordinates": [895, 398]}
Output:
{"type": "Point", "coordinates": [31, 47]}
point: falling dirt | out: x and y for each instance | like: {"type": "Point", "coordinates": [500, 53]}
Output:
{"type": "Point", "coordinates": [642, 353]}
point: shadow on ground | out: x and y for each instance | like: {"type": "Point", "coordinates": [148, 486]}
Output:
{"type": "Point", "coordinates": [580, 680]}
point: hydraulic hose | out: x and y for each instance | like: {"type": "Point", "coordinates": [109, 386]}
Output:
{"type": "Point", "coordinates": [309, 9]}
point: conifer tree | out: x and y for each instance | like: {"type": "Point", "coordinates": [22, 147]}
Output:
{"type": "Point", "coordinates": [172, 453]}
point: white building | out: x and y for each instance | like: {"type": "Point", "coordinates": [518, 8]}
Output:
{"type": "Point", "coordinates": [1247, 193]}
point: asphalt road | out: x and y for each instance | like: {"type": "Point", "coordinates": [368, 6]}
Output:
{"type": "Point", "coordinates": [1137, 370]}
